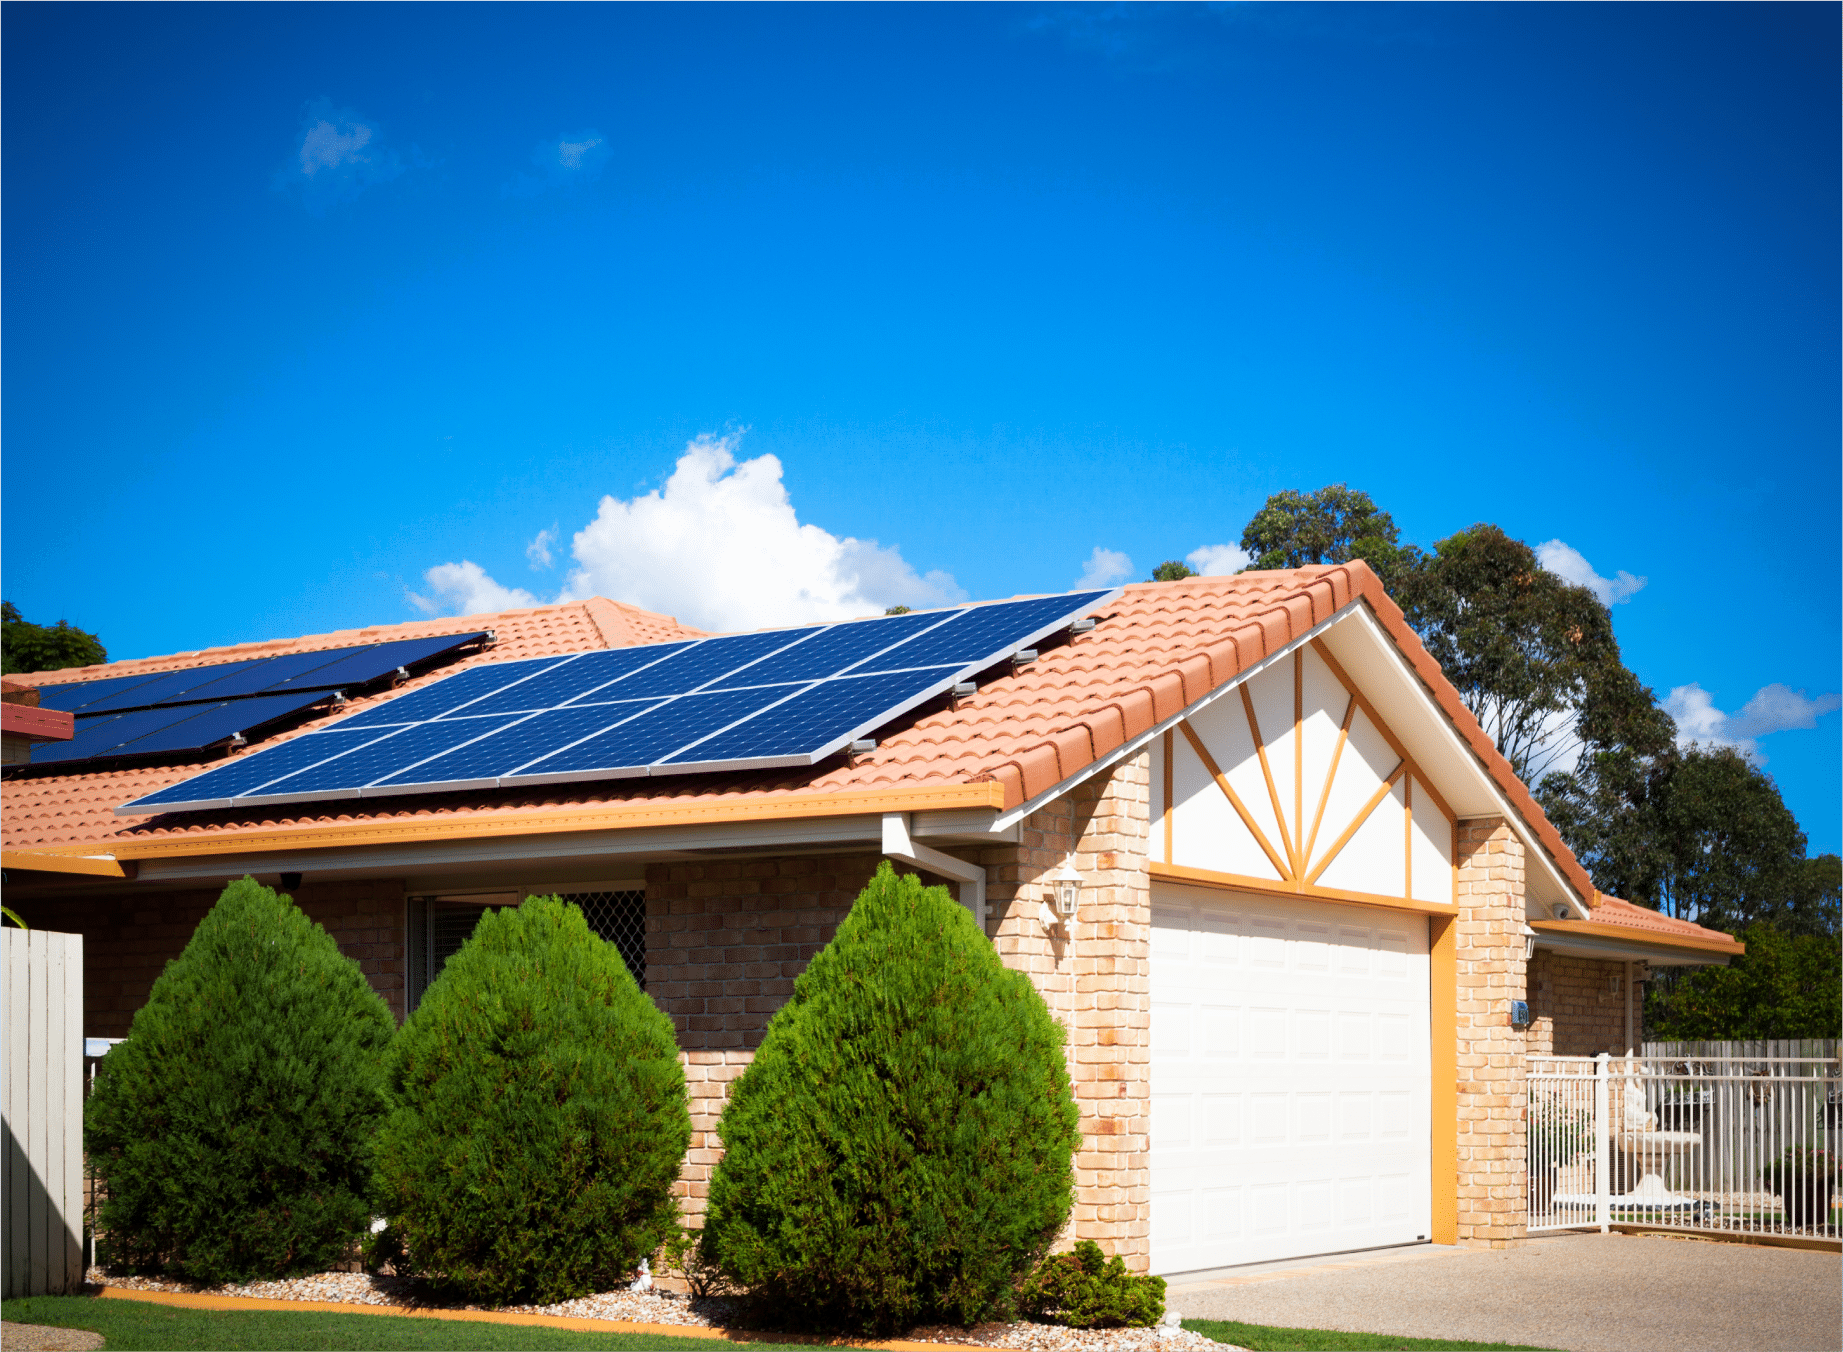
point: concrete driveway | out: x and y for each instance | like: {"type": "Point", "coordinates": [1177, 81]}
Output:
{"type": "Point", "coordinates": [1584, 1293]}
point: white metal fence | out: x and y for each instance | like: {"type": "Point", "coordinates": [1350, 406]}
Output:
{"type": "Point", "coordinates": [1732, 1145]}
{"type": "Point", "coordinates": [43, 1091]}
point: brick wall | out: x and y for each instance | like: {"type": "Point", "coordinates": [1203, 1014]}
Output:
{"type": "Point", "coordinates": [1493, 1093]}
{"type": "Point", "coordinates": [1574, 1010]}
{"type": "Point", "coordinates": [1097, 978]}
{"type": "Point", "coordinates": [128, 938]}
{"type": "Point", "coordinates": [726, 940]}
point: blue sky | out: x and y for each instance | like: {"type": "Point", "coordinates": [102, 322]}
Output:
{"type": "Point", "coordinates": [336, 315]}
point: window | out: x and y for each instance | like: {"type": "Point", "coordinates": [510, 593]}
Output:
{"type": "Point", "coordinates": [619, 916]}
{"type": "Point", "coordinates": [439, 925]}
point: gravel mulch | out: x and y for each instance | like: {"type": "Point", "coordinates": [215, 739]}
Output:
{"type": "Point", "coordinates": [45, 1338]}
{"type": "Point", "coordinates": [664, 1307]}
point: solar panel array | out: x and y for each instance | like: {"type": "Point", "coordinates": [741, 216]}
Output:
{"type": "Point", "coordinates": [169, 712]}
{"type": "Point", "coordinates": [785, 697]}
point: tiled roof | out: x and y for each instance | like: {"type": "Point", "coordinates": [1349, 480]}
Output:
{"type": "Point", "coordinates": [80, 808]}
{"type": "Point", "coordinates": [1612, 911]}
{"type": "Point", "coordinates": [1157, 650]}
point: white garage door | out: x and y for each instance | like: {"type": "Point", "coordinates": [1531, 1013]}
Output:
{"type": "Point", "coordinates": [1290, 1079]}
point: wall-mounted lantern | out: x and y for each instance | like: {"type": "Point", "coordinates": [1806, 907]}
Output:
{"type": "Point", "coordinates": [1065, 887]}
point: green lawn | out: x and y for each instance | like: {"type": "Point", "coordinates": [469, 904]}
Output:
{"type": "Point", "coordinates": [134, 1324]}
{"type": "Point", "coordinates": [146, 1327]}
{"type": "Point", "coordinates": [1261, 1338]}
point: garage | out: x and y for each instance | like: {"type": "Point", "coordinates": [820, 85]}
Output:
{"type": "Point", "coordinates": [1290, 1078]}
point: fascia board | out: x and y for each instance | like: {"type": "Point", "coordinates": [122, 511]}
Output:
{"type": "Point", "coordinates": [1658, 955]}
{"type": "Point", "coordinates": [433, 856]}
{"type": "Point", "coordinates": [1455, 755]}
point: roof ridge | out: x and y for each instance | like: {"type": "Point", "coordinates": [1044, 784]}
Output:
{"type": "Point", "coordinates": [625, 635]}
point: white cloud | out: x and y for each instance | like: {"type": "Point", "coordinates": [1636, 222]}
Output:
{"type": "Point", "coordinates": [574, 157]}
{"type": "Point", "coordinates": [1773, 708]}
{"type": "Point", "coordinates": [1568, 563]}
{"type": "Point", "coordinates": [720, 547]}
{"type": "Point", "coordinates": [338, 158]}
{"type": "Point", "coordinates": [1219, 560]}
{"type": "Point", "coordinates": [538, 551]}
{"type": "Point", "coordinates": [465, 589]}
{"type": "Point", "coordinates": [1104, 568]}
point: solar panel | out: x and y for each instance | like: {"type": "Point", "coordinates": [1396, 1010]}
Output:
{"type": "Point", "coordinates": [740, 701]}
{"type": "Point", "coordinates": [243, 776]}
{"type": "Point", "coordinates": [183, 727]}
{"type": "Point", "coordinates": [344, 775]}
{"type": "Point", "coordinates": [99, 735]}
{"type": "Point", "coordinates": [170, 687]}
{"type": "Point", "coordinates": [701, 663]}
{"type": "Point", "coordinates": [629, 747]}
{"type": "Point", "coordinates": [832, 651]}
{"type": "Point", "coordinates": [799, 730]}
{"type": "Point", "coordinates": [76, 694]}
{"type": "Point", "coordinates": [590, 677]}
{"type": "Point", "coordinates": [450, 693]}
{"type": "Point", "coordinates": [328, 669]}
{"type": "Point", "coordinates": [481, 763]}
{"type": "Point", "coordinates": [361, 666]}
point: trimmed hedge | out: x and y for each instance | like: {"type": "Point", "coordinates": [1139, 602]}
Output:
{"type": "Point", "coordinates": [901, 1148]}
{"type": "Point", "coordinates": [539, 1115]}
{"type": "Point", "coordinates": [231, 1129]}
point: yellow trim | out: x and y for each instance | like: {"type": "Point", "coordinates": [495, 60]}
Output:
{"type": "Point", "coordinates": [1600, 929]}
{"type": "Point", "coordinates": [1337, 754]}
{"type": "Point", "coordinates": [1169, 815]}
{"type": "Point", "coordinates": [1294, 867]}
{"type": "Point", "coordinates": [1356, 822]}
{"type": "Point", "coordinates": [1407, 836]}
{"type": "Point", "coordinates": [1369, 710]}
{"type": "Point", "coordinates": [1222, 782]}
{"type": "Point", "coordinates": [1443, 979]}
{"type": "Point", "coordinates": [1292, 891]}
{"type": "Point", "coordinates": [614, 817]}
{"type": "Point", "coordinates": [1299, 756]}
{"type": "Point", "coordinates": [96, 866]}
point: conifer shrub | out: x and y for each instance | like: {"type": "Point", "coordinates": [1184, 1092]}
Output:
{"type": "Point", "coordinates": [231, 1129]}
{"type": "Point", "coordinates": [538, 1115]}
{"type": "Point", "coordinates": [901, 1148]}
{"type": "Point", "coordinates": [1087, 1290]}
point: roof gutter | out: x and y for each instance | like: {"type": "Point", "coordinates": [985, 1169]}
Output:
{"type": "Point", "coordinates": [1635, 942]}
{"type": "Point", "coordinates": [498, 825]}
{"type": "Point", "coordinates": [42, 861]}
{"type": "Point", "coordinates": [899, 843]}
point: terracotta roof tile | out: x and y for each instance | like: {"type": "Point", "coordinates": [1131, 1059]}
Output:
{"type": "Point", "coordinates": [80, 808]}
{"type": "Point", "coordinates": [1612, 911]}
{"type": "Point", "coordinates": [1159, 648]}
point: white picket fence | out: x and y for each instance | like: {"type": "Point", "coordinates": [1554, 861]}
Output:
{"type": "Point", "coordinates": [1682, 1143]}
{"type": "Point", "coordinates": [43, 1109]}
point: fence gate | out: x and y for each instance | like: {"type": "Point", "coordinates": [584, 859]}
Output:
{"type": "Point", "coordinates": [43, 1110]}
{"type": "Point", "coordinates": [1683, 1143]}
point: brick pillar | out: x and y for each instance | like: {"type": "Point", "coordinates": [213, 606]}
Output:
{"type": "Point", "coordinates": [1096, 977]}
{"type": "Point", "coordinates": [1493, 1094]}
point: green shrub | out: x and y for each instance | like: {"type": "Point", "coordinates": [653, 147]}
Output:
{"type": "Point", "coordinates": [1801, 1165]}
{"type": "Point", "coordinates": [538, 1117]}
{"type": "Point", "coordinates": [1086, 1290]}
{"type": "Point", "coordinates": [900, 1149]}
{"type": "Point", "coordinates": [231, 1129]}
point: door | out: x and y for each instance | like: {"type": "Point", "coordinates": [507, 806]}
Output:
{"type": "Point", "coordinates": [1290, 1078]}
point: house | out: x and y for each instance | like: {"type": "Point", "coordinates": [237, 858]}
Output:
{"type": "Point", "coordinates": [1312, 895]}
